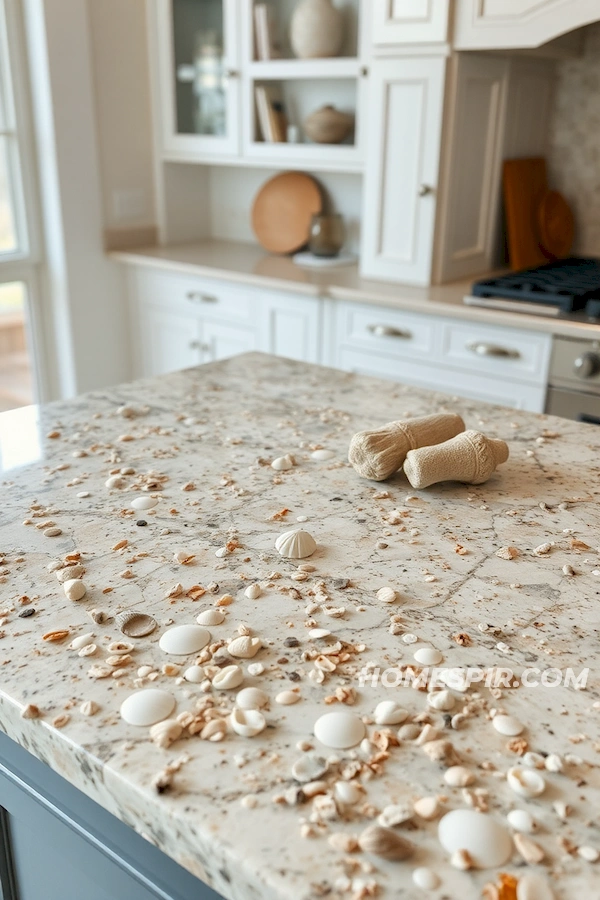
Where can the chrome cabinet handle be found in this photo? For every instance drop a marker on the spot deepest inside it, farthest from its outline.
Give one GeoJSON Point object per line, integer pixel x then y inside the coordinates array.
{"type": "Point", "coordinates": [481, 348]}
{"type": "Point", "coordinates": [199, 297]}
{"type": "Point", "coordinates": [389, 331]}
{"type": "Point", "coordinates": [196, 345]}
{"type": "Point", "coordinates": [425, 189]}
{"type": "Point", "coordinates": [232, 73]}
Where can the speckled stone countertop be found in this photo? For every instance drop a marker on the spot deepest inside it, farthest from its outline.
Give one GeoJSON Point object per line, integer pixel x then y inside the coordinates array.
{"type": "Point", "coordinates": [231, 814]}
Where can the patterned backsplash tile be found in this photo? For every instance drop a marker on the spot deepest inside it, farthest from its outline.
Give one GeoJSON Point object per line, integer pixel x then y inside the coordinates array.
{"type": "Point", "coordinates": [574, 158]}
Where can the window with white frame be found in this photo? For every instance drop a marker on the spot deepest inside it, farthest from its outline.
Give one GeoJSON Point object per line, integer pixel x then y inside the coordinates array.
{"type": "Point", "coordinates": [17, 263]}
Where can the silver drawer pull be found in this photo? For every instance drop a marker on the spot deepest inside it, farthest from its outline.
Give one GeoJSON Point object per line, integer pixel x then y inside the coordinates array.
{"type": "Point", "coordinates": [196, 345]}
{"type": "Point", "coordinates": [481, 348]}
{"type": "Point", "coordinates": [199, 297]}
{"type": "Point", "coordinates": [389, 331]}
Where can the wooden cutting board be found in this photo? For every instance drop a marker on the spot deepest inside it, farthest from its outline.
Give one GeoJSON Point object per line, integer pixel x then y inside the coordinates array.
{"type": "Point", "coordinates": [525, 184]}
{"type": "Point", "coordinates": [556, 225]}
{"type": "Point", "coordinates": [283, 209]}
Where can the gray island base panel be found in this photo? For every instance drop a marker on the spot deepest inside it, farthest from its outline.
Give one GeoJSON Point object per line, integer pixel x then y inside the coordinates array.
{"type": "Point", "coordinates": [201, 442]}
{"type": "Point", "coordinates": [57, 844]}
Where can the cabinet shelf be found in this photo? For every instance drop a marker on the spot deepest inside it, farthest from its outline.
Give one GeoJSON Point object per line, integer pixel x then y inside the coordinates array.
{"type": "Point", "coordinates": [289, 69]}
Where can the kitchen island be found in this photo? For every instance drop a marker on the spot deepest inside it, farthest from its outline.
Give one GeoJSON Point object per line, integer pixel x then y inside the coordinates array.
{"type": "Point", "coordinates": [505, 575]}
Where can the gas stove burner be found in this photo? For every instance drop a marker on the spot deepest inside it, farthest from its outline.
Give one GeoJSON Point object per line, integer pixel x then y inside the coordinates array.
{"type": "Point", "coordinates": [570, 285]}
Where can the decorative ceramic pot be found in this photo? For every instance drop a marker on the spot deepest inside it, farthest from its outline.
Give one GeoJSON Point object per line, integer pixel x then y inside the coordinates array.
{"type": "Point", "coordinates": [328, 125]}
{"type": "Point", "coordinates": [317, 29]}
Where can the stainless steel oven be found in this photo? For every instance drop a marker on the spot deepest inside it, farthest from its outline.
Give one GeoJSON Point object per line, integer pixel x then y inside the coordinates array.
{"type": "Point", "coordinates": [574, 380]}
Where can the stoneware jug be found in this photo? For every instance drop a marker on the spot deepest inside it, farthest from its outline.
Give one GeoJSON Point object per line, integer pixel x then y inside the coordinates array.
{"type": "Point", "coordinates": [317, 29]}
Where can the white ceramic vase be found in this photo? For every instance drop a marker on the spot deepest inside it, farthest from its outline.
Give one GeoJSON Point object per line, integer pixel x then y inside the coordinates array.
{"type": "Point", "coordinates": [317, 29]}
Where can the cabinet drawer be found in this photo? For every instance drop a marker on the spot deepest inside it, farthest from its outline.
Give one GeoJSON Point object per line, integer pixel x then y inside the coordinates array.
{"type": "Point", "coordinates": [486, 389]}
{"type": "Point", "coordinates": [388, 331]}
{"type": "Point", "coordinates": [187, 294]}
{"type": "Point", "coordinates": [489, 350]}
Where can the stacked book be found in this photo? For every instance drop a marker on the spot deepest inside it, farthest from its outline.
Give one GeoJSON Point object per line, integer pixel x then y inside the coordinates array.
{"type": "Point", "coordinates": [266, 46]}
{"type": "Point", "coordinates": [271, 117]}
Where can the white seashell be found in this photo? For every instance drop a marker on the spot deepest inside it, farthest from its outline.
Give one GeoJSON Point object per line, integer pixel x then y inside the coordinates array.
{"type": "Point", "coordinates": [144, 670]}
{"type": "Point", "coordinates": [554, 763]}
{"type": "Point", "coordinates": [388, 712]}
{"type": "Point", "coordinates": [195, 675]}
{"type": "Point", "coordinates": [115, 481]}
{"type": "Point", "coordinates": [322, 455]}
{"type": "Point", "coordinates": [81, 641]}
{"type": "Point", "coordinates": [247, 722]}
{"type": "Point", "coordinates": [590, 854]}
{"type": "Point", "coordinates": [508, 725]}
{"type": "Point", "coordinates": [458, 776]}
{"type": "Point", "coordinates": [525, 782]}
{"type": "Point", "coordinates": [142, 503]}
{"type": "Point", "coordinates": [395, 814]}
{"type": "Point", "coordinates": [211, 617]}
{"type": "Point", "coordinates": [228, 678]}
{"type": "Point", "coordinates": [163, 734]}
{"type": "Point", "coordinates": [119, 648]}
{"type": "Point", "coordinates": [309, 767]}
{"type": "Point", "coordinates": [256, 669]}
{"type": "Point", "coordinates": [425, 879]}
{"type": "Point", "coordinates": [521, 820]}
{"type": "Point", "coordinates": [70, 572]}
{"type": "Point", "coordinates": [244, 647]}
{"type": "Point", "coordinates": [287, 698]}
{"type": "Point", "coordinates": [441, 700]}
{"type": "Point", "coordinates": [534, 887]}
{"type": "Point", "coordinates": [136, 624]}
{"type": "Point", "coordinates": [89, 708]}
{"type": "Point", "coordinates": [282, 463]}
{"type": "Point", "coordinates": [147, 707]}
{"type": "Point", "coordinates": [534, 760]}
{"type": "Point", "coordinates": [296, 544]}
{"type": "Point", "coordinates": [316, 634]}
{"type": "Point", "coordinates": [427, 808]}
{"type": "Point", "coordinates": [386, 595]}
{"type": "Point", "coordinates": [74, 589]}
{"type": "Point", "coordinates": [184, 640]}
{"type": "Point", "coordinates": [88, 650]}
{"type": "Point", "coordinates": [531, 852]}
{"type": "Point", "coordinates": [347, 793]}
{"type": "Point", "coordinates": [339, 730]}
{"type": "Point", "coordinates": [487, 843]}
{"type": "Point", "coordinates": [428, 656]}
{"type": "Point", "coordinates": [251, 698]}
{"type": "Point", "coordinates": [253, 591]}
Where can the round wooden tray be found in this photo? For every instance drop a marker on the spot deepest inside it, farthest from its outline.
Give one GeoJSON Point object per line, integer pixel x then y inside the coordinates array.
{"type": "Point", "coordinates": [283, 209]}
{"type": "Point", "coordinates": [556, 225]}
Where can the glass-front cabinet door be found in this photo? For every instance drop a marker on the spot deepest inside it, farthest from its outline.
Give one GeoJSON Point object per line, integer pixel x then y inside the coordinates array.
{"type": "Point", "coordinates": [197, 48]}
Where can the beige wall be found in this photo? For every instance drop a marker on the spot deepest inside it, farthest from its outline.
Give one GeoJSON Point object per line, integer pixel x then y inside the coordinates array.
{"type": "Point", "coordinates": [575, 141]}
{"type": "Point", "coordinates": [123, 111]}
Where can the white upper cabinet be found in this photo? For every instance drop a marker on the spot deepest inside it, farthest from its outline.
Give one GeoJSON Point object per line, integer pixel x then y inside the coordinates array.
{"type": "Point", "coordinates": [496, 24]}
{"type": "Point", "coordinates": [403, 155]}
{"type": "Point", "coordinates": [409, 21]}
{"type": "Point", "coordinates": [196, 57]}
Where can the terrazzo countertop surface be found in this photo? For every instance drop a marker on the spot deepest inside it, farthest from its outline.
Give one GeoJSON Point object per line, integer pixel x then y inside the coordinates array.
{"type": "Point", "coordinates": [252, 266]}
{"type": "Point", "coordinates": [201, 441]}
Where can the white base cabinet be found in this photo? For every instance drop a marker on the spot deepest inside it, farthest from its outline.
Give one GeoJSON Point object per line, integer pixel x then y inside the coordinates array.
{"type": "Point", "coordinates": [291, 326]}
{"type": "Point", "coordinates": [181, 320]}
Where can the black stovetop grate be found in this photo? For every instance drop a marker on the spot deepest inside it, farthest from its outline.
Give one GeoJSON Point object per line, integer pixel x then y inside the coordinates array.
{"type": "Point", "coordinates": [567, 283]}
